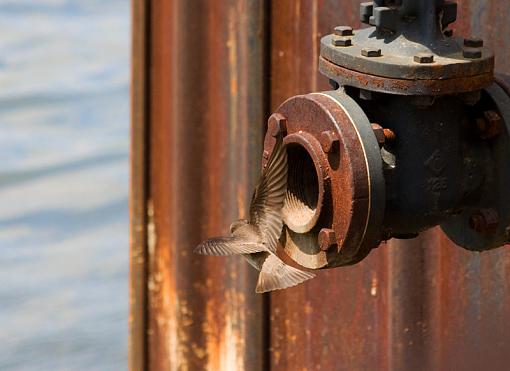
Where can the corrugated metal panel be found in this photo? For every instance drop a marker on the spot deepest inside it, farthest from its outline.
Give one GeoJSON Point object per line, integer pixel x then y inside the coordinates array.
{"type": "Point", "coordinates": [420, 304]}
{"type": "Point", "coordinates": [207, 116]}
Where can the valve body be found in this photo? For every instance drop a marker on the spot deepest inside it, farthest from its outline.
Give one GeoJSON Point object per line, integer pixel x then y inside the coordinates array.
{"type": "Point", "coordinates": [415, 134]}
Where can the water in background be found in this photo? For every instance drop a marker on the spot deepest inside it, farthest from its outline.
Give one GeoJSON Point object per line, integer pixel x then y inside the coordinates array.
{"type": "Point", "coordinates": [64, 121]}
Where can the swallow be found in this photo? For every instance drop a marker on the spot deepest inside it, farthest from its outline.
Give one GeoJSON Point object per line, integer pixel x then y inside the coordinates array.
{"type": "Point", "coordinates": [256, 238]}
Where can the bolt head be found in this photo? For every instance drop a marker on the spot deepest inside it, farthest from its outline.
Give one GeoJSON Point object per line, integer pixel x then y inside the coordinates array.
{"type": "Point", "coordinates": [326, 239]}
{"type": "Point", "coordinates": [473, 42]}
{"type": "Point", "coordinates": [366, 94]}
{"type": "Point", "coordinates": [343, 31]}
{"type": "Point", "coordinates": [329, 141]}
{"type": "Point", "coordinates": [472, 53]}
{"type": "Point", "coordinates": [366, 10]}
{"type": "Point", "coordinates": [389, 135]}
{"type": "Point", "coordinates": [484, 221]}
{"type": "Point", "coordinates": [424, 58]}
{"type": "Point", "coordinates": [370, 52]}
{"type": "Point", "coordinates": [276, 125]}
{"type": "Point", "coordinates": [491, 124]}
{"type": "Point", "coordinates": [341, 41]}
{"type": "Point", "coordinates": [379, 134]}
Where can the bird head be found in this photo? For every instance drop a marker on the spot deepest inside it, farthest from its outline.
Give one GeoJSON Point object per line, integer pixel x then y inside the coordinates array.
{"type": "Point", "coordinates": [235, 225]}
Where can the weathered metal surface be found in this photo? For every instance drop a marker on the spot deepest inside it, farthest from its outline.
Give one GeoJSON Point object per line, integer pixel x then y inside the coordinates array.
{"type": "Point", "coordinates": [486, 227]}
{"type": "Point", "coordinates": [404, 86]}
{"type": "Point", "coordinates": [207, 86]}
{"type": "Point", "coordinates": [335, 180]}
{"type": "Point", "coordinates": [138, 188]}
{"type": "Point", "coordinates": [446, 58]}
{"type": "Point", "coordinates": [408, 41]}
{"type": "Point", "coordinates": [420, 304]}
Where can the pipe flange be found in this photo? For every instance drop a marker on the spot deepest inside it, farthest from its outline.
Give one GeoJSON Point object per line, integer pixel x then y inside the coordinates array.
{"type": "Point", "coordinates": [335, 180]}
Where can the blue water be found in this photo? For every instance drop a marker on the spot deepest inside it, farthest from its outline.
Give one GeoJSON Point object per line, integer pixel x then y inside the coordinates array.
{"type": "Point", "coordinates": [64, 126]}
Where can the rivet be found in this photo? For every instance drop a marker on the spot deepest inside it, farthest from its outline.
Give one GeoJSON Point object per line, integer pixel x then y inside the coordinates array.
{"type": "Point", "coordinates": [370, 52]}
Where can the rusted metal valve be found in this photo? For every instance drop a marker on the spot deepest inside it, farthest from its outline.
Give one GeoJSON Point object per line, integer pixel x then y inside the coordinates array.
{"type": "Point", "coordinates": [415, 134]}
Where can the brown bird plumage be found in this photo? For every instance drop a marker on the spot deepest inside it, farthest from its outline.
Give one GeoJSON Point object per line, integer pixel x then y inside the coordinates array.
{"type": "Point", "coordinates": [257, 237]}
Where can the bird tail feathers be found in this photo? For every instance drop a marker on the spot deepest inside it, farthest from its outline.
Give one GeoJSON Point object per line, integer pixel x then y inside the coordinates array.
{"type": "Point", "coordinates": [276, 275]}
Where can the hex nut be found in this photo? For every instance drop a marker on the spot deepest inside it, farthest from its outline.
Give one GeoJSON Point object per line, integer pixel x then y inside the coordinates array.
{"type": "Point", "coordinates": [490, 125]}
{"type": "Point", "coordinates": [389, 135]}
{"type": "Point", "coordinates": [471, 53]}
{"type": "Point", "coordinates": [424, 58]}
{"type": "Point", "coordinates": [343, 31]}
{"type": "Point", "coordinates": [484, 221]}
{"type": "Point", "coordinates": [326, 239]}
{"type": "Point", "coordinates": [276, 125]}
{"type": "Point", "coordinates": [366, 10]}
{"type": "Point", "coordinates": [385, 18]}
{"type": "Point", "coordinates": [379, 134]}
{"type": "Point", "coordinates": [471, 98]}
{"type": "Point", "coordinates": [366, 94]}
{"type": "Point", "coordinates": [369, 52]}
{"type": "Point", "coordinates": [329, 141]}
{"type": "Point", "coordinates": [473, 42]}
{"type": "Point", "coordinates": [341, 41]}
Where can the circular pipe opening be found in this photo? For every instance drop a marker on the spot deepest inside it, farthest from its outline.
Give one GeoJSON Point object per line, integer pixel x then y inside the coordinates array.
{"type": "Point", "coordinates": [303, 200]}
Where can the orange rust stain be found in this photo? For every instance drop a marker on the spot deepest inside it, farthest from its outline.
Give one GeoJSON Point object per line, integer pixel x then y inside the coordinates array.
{"type": "Point", "coordinates": [225, 344]}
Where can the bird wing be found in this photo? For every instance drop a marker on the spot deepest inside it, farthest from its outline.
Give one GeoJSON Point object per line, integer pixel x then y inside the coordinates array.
{"type": "Point", "coordinates": [268, 197]}
{"type": "Point", "coordinates": [276, 275]}
{"type": "Point", "coordinates": [221, 246]}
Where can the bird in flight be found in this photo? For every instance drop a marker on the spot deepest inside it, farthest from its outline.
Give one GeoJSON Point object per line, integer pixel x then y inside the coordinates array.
{"type": "Point", "coordinates": [256, 239]}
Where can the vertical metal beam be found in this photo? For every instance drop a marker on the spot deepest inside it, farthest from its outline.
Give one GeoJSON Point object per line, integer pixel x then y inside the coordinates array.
{"type": "Point", "coordinates": [139, 187]}
{"type": "Point", "coordinates": [207, 110]}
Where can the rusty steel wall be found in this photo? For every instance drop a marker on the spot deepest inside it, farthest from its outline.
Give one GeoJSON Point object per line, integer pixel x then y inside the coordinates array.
{"type": "Point", "coordinates": [422, 304]}
{"type": "Point", "coordinates": [201, 94]}
{"type": "Point", "coordinates": [205, 120]}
